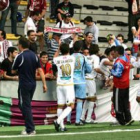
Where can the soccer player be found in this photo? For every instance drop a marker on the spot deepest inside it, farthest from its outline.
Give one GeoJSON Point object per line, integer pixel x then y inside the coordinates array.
{"type": "Point", "coordinates": [88, 106]}
{"type": "Point", "coordinates": [81, 65]}
{"type": "Point", "coordinates": [65, 85]}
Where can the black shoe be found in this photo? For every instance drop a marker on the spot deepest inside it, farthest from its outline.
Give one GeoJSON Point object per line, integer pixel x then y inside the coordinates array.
{"type": "Point", "coordinates": [79, 124]}
{"type": "Point", "coordinates": [68, 123]}
{"type": "Point", "coordinates": [130, 122]}
{"type": "Point", "coordinates": [18, 35]}
{"type": "Point", "coordinates": [63, 129]}
{"type": "Point", "coordinates": [56, 125]}
{"type": "Point", "coordinates": [83, 121]}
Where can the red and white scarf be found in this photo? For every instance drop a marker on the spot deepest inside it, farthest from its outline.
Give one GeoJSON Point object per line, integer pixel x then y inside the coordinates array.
{"type": "Point", "coordinates": [3, 49]}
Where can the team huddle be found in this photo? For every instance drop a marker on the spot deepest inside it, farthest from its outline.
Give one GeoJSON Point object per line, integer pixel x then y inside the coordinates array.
{"type": "Point", "coordinates": [76, 82]}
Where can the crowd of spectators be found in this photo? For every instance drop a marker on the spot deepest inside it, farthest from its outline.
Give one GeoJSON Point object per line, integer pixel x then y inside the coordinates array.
{"type": "Point", "coordinates": [63, 12]}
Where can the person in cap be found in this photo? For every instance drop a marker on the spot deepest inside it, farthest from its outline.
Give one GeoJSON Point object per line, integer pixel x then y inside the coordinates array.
{"type": "Point", "coordinates": [66, 23]}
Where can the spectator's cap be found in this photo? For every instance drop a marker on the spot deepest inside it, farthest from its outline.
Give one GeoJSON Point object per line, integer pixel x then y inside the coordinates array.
{"type": "Point", "coordinates": [67, 15]}
{"type": "Point", "coordinates": [109, 37]}
{"type": "Point", "coordinates": [89, 33]}
{"type": "Point", "coordinates": [57, 34]}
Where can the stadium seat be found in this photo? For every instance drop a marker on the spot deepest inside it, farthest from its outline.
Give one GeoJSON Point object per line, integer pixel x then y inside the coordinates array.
{"type": "Point", "coordinates": [103, 22]}
{"type": "Point", "coordinates": [106, 8]}
{"type": "Point", "coordinates": [119, 23]}
{"type": "Point", "coordinates": [102, 39]}
{"type": "Point", "coordinates": [23, 2]}
{"type": "Point", "coordinates": [91, 7]}
{"type": "Point", "coordinates": [11, 37]}
{"type": "Point", "coordinates": [121, 8]}
{"type": "Point", "coordinates": [76, 6]}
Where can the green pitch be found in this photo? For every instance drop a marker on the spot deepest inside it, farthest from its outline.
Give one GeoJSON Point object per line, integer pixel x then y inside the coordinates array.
{"type": "Point", "coordinates": [102, 131]}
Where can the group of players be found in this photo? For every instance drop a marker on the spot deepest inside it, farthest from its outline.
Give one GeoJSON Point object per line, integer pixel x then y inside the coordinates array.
{"type": "Point", "coordinates": [76, 82]}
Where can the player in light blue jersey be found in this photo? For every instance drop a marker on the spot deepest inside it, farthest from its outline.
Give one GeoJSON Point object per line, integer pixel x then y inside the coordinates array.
{"type": "Point", "coordinates": [81, 66]}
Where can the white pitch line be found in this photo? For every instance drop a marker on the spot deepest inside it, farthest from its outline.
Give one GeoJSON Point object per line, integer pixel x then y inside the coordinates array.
{"type": "Point", "coordinates": [76, 133]}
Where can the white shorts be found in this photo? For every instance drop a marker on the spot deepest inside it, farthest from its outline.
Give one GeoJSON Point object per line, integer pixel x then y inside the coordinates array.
{"type": "Point", "coordinates": [65, 95]}
{"type": "Point", "coordinates": [90, 88]}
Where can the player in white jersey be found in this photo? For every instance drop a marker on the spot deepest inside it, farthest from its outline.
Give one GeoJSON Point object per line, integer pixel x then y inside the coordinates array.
{"type": "Point", "coordinates": [105, 67]}
{"type": "Point", "coordinates": [65, 85]}
{"type": "Point", "coordinates": [90, 84]}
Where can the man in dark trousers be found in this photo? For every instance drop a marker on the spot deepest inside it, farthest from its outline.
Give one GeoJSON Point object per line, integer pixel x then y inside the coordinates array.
{"type": "Point", "coordinates": [26, 64]}
{"type": "Point", "coordinates": [13, 6]}
{"type": "Point", "coordinates": [120, 72]}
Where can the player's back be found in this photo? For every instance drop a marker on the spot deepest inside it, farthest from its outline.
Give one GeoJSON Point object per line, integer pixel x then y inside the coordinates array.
{"type": "Point", "coordinates": [65, 66]}
{"type": "Point", "coordinates": [94, 63]}
{"type": "Point", "coordinates": [81, 65]}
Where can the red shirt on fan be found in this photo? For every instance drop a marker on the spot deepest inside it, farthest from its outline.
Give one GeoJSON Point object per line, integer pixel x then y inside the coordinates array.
{"type": "Point", "coordinates": [36, 5]}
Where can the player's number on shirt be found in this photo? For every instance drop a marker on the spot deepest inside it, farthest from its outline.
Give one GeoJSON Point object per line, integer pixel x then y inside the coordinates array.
{"type": "Point", "coordinates": [78, 64]}
{"type": "Point", "coordinates": [66, 70]}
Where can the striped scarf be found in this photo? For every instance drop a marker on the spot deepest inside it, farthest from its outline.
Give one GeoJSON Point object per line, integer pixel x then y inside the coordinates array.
{"type": "Point", "coordinates": [135, 6]}
{"type": "Point", "coordinates": [3, 49]}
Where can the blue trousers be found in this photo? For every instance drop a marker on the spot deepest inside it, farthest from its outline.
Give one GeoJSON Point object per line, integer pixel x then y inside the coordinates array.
{"type": "Point", "coordinates": [25, 95]}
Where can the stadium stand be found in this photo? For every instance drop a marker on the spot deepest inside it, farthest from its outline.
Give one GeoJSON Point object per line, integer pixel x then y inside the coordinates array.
{"type": "Point", "coordinates": [111, 16]}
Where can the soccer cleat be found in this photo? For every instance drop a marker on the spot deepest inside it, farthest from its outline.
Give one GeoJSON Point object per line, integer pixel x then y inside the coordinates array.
{"type": "Point", "coordinates": [130, 122]}
{"type": "Point", "coordinates": [63, 129]}
{"type": "Point", "coordinates": [83, 121]}
{"type": "Point", "coordinates": [91, 122]}
{"type": "Point", "coordinates": [56, 125]}
{"type": "Point", "coordinates": [79, 124]}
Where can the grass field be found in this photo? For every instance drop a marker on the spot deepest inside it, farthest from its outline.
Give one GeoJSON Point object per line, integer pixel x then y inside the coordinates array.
{"type": "Point", "coordinates": [102, 131]}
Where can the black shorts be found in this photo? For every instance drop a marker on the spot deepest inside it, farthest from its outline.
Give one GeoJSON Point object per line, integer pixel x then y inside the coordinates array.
{"type": "Point", "coordinates": [41, 24]}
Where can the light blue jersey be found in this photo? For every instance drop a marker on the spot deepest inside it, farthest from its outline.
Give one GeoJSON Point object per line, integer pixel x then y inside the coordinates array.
{"type": "Point", "coordinates": [81, 66]}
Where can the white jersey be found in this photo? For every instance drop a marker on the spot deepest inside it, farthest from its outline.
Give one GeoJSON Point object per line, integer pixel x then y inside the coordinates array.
{"type": "Point", "coordinates": [64, 25]}
{"type": "Point", "coordinates": [29, 25]}
{"type": "Point", "coordinates": [104, 68]}
{"type": "Point", "coordinates": [65, 66]}
{"type": "Point", "coordinates": [4, 45]}
{"type": "Point", "coordinates": [94, 61]}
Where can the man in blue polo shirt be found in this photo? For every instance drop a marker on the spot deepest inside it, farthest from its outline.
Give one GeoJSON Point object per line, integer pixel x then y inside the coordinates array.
{"type": "Point", "coordinates": [26, 64]}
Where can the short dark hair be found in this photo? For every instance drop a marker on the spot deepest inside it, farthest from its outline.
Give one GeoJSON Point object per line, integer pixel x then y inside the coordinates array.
{"type": "Point", "coordinates": [11, 50]}
{"type": "Point", "coordinates": [67, 15]}
{"type": "Point", "coordinates": [107, 51]}
{"type": "Point", "coordinates": [120, 50]}
{"type": "Point", "coordinates": [77, 46]}
{"type": "Point", "coordinates": [94, 49]}
{"type": "Point", "coordinates": [23, 42]}
{"type": "Point", "coordinates": [113, 48]}
{"type": "Point", "coordinates": [30, 31]}
{"type": "Point", "coordinates": [64, 48]}
{"type": "Point", "coordinates": [120, 35]}
{"type": "Point", "coordinates": [36, 13]}
{"type": "Point", "coordinates": [88, 19]}
{"type": "Point", "coordinates": [43, 53]}
{"type": "Point", "coordinates": [128, 49]}
{"type": "Point", "coordinates": [3, 33]}
{"type": "Point", "coordinates": [88, 33]}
